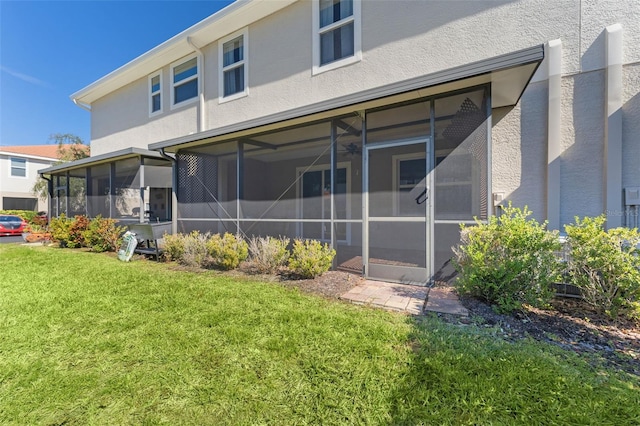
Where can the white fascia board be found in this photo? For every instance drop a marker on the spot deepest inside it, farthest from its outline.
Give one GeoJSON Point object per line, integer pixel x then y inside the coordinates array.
{"type": "Point", "coordinates": [232, 18]}
{"type": "Point", "coordinates": [28, 156]}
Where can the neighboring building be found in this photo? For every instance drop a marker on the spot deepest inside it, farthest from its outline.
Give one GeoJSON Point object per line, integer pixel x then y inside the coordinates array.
{"type": "Point", "coordinates": [377, 126]}
{"type": "Point", "coordinates": [19, 167]}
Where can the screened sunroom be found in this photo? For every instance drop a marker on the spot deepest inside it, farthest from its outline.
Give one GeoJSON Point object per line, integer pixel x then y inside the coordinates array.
{"type": "Point", "coordinates": [132, 185]}
{"type": "Point", "coordinates": [387, 187]}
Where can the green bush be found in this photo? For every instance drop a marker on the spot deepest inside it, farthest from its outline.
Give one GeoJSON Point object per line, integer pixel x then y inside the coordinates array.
{"type": "Point", "coordinates": [61, 229]}
{"type": "Point", "coordinates": [268, 254]}
{"type": "Point", "coordinates": [102, 234]}
{"type": "Point", "coordinates": [173, 246]}
{"type": "Point", "coordinates": [310, 258]}
{"type": "Point", "coordinates": [605, 265]}
{"type": "Point", "coordinates": [508, 261]}
{"type": "Point", "coordinates": [226, 251]}
{"type": "Point", "coordinates": [195, 249]}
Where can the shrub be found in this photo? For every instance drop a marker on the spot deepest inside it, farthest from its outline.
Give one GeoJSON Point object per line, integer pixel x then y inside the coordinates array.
{"type": "Point", "coordinates": [508, 261]}
{"type": "Point", "coordinates": [60, 229]}
{"type": "Point", "coordinates": [173, 247]}
{"type": "Point", "coordinates": [226, 251]}
{"type": "Point", "coordinates": [310, 258]}
{"type": "Point", "coordinates": [102, 234]}
{"type": "Point", "coordinates": [195, 249]}
{"type": "Point", "coordinates": [605, 265]}
{"type": "Point", "coordinates": [79, 225]}
{"type": "Point", "coordinates": [268, 254]}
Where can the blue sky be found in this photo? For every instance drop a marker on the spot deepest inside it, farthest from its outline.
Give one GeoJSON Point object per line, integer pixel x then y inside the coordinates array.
{"type": "Point", "coordinates": [51, 49]}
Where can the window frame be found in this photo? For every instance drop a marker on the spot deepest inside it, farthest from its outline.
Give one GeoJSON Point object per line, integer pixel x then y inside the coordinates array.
{"type": "Point", "coordinates": [397, 161]}
{"type": "Point", "coordinates": [25, 168]}
{"type": "Point", "coordinates": [196, 77]}
{"type": "Point", "coordinates": [356, 18]}
{"type": "Point", "coordinates": [152, 93]}
{"type": "Point", "coordinates": [244, 62]}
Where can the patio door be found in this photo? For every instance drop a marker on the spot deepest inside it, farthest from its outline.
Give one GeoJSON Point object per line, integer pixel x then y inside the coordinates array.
{"type": "Point", "coordinates": [397, 209]}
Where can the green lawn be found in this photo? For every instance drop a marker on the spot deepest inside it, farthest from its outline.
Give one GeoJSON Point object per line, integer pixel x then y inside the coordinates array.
{"type": "Point", "coordinates": [86, 339]}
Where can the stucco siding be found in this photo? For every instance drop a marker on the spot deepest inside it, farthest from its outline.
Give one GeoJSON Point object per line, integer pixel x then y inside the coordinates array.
{"type": "Point", "coordinates": [519, 151]}
{"type": "Point", "coordinates": [400, 40]}
{"type": "Point", "coordinates": [121, 119]}
{"type": "Point", "coordinates": [581, 185]}
{"type": "Point", "coordinates": [631, 126]}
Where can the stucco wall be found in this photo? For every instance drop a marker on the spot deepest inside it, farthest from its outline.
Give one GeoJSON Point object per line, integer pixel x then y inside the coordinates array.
{"type": "Point", "coordinates": [404, 39]}
{"type": "Point", "coordinates": [400, 40]}
{"type": "Point", "coordinates": [519, 151]}
{"type": "Point", "coordinates": [631, 126]}
{"type": "Point", "coordinates": [20, 187]}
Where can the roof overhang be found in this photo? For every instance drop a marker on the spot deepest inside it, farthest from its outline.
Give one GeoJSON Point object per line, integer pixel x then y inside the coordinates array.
{"type": "Point", "coordinates": [233, 17]}
{"type": "Point", "coordinates": [508, 74]}
{"type": "Point", "coordinates": [29, 156]}
{"type": "Point", "coordinates": [101, 159]}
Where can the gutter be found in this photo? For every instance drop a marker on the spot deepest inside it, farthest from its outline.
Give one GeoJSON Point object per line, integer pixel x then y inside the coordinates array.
{"type": "Point", "coordinates": [82, 105]}
{"type": "Point", "coordinates": [201, 110]}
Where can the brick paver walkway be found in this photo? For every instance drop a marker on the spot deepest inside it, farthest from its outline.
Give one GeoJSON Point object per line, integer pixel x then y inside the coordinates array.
{"type": "Point", "coordinates": [406, 298]}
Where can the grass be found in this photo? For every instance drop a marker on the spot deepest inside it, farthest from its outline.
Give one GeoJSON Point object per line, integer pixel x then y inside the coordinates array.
{"type": "Point", "coordinates": [85, 339]}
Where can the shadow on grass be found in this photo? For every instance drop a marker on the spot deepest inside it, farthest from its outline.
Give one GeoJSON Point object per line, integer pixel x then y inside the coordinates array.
{"type": "Point", "coordinates": [469, 375]}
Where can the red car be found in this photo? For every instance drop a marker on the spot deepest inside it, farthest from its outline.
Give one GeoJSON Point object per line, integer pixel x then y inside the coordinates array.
{"type": "Point", "coordinates": [12, 225]}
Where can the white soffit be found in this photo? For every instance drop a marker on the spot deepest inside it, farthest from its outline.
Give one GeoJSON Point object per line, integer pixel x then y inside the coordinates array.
{"type": "Point", "coordinates": [507, 85]}
{"type": "Point", "coordinates": [233, 17]}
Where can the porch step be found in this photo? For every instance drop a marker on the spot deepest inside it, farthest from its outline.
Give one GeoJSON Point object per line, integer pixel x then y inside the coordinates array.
{"type": "Point", "coordinates": [444, 300]}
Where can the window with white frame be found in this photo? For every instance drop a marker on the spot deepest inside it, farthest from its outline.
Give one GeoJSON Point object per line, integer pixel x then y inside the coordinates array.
{"type": "Point", "coordinates": [233, 65]}
{"type": "Point", "coordinates": [184, 81]}
{"type": "Point", "coordinates": [155, 94]}
{"type": "Point", "coordinates": [18, 167]}
{"type": "Point", "coordinates": [337, 33]}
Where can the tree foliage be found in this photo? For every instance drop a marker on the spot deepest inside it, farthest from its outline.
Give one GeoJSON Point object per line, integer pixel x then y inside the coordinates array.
{"type": "Point", "coordinates": [70, 148]}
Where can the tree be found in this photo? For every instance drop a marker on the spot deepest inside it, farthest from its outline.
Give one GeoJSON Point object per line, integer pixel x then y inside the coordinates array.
{"type": "Point", "coordinates": [70, 148]}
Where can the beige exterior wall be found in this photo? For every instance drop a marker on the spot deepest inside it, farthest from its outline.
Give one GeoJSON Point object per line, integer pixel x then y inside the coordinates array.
{"type": "Point", "coordinates": [20, 187]}
{"type": "Point", "coordinates": [404, 39]}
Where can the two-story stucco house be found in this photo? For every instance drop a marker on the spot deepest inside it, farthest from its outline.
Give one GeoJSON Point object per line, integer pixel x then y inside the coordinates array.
{"type": "Point", "coordinates": [19, 167]}
{"type": "Point", "coordinates": [377, 126]}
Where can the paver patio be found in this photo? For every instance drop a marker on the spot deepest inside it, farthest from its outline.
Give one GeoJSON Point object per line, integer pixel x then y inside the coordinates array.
{"type": "Point", "coordinates": [413, 300]}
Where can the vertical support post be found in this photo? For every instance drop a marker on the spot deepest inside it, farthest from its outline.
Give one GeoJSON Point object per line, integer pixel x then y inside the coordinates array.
{"type": "Point", "coordinates": [333, 172]}
{"type": "Point", "coordinates": [613, 128]}
{"type": "Point", "coordinates": [50, 190]}
{"type": "Point", "coordinates": [365, 198]}
{"type": "Point", "coordinates": [554, 135]}
{"type": "Point", "coordinates": [489, 124]}
{"type": "Point", "coordinates": [431, 185]}
{"type": "Point", "coordinates": [239, 183]}
{"type": "Point", "coordinates": [112, 189]}
{"type": "Point", "coordinates": [174, 194]}
{"type": "Point", "coordinates": [66, 191]}
{"type": "Point", "coordinates": [142, 189]}
{"type": "Point", "coordinates": [88, 191]}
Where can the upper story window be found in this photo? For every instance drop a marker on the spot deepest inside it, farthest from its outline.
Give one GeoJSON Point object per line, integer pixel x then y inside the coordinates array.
{"type": "Point", "coordinates": [233, 66]}
{"type": "Point", "coordinates": [18, 167]}
{"type": "Point", "coordinates": [155, 94]}
{"type": "Point", "coordinates": [337, 32]}
{"type": "Point", "coordinates": [184, 81]}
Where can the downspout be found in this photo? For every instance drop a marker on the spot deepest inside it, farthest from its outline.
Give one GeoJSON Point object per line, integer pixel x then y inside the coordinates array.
{"type": "Point", "coordinates": [82, 105]}
{"type": "Point", "coordinates": [50, 192]}
{"type": "Point", "coordinates": [201, 110]}
{"type": "Point", "coordinates": [174, 189]}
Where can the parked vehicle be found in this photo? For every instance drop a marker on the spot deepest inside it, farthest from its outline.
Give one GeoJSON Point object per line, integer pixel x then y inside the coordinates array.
{"type": "Point", "coordinates": [12, 225]}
